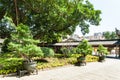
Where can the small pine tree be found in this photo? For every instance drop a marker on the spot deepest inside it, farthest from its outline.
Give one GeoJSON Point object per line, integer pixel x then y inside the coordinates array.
{"type": "Point", "coordinates": [102, 50]}
{"type": "Point", "coordinates": [22, 42]}
{"type": "Point", "coordinates": [84, 48]}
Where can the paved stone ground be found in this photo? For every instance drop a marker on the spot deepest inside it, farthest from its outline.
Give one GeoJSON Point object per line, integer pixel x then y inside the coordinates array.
{"type": "Point", "coordinates": [108, 70]}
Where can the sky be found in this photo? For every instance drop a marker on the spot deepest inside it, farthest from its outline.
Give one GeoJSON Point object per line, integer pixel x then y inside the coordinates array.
{"type": "Point", "coordinates": [110, 16]}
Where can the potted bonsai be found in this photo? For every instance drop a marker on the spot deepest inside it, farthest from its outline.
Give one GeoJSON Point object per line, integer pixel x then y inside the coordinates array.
{"type": "Point", "coordinates": [84, 48]}
{"type": "Point", "coordinates": [25, 46]}
{"type": "Point", "coordinates": [102, 51]}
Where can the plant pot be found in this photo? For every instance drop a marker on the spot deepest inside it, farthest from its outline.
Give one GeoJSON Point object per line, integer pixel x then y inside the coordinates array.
{"type": "Point", "coordinates": [81, 60]}
{"type": "Point", "coordinates": [30, 66]}
{"type": "Point", "coordinates": [101, 58]}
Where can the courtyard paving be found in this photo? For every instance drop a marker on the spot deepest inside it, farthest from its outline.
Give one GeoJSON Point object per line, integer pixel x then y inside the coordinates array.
{"type": "Point", "coordinates": [108, 70]}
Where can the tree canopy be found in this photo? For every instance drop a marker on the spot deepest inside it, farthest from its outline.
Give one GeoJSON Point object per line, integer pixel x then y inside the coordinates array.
{"type": "Point", "coordinates": [49, 20]}
{"type": "Point", "coordinates": [6, 27]}
{"type": "Point", "coordinates": [110, 35]}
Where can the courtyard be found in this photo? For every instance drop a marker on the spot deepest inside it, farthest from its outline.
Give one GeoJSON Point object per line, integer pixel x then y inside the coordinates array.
{"type": "Point", "coordinates": [108, 70]}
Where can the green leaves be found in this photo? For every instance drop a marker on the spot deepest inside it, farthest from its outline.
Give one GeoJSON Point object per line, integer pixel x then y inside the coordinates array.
{"type": "Point", "coordinates": [10, 65]}
{"type": "Point", "coordinates": [48, 17]}
{"type": "Point", "coordinates": [102, 50]}
{"type": "Point", "coordinates": [6, 27]}
{"type": "Point", "coordinates": [84, 48]}
{"type": "Point", "coordinates": [110, 35]}
{"type": "Point", "coordinates": [23, 43]}
{"type": "Point", "coordinates": [48, 52]}
{"type": "Point", "coordinates": [32, 50]}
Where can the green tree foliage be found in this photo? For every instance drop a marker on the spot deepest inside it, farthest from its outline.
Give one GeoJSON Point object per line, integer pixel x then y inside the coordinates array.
{"type": "Point", "coordinates": [66, 51]}
{"type": "Point", "coordinates": [6, 27]}
{"type": "Point", "coordinates": [110, 35]}
{"type": "Point", "coordinates": [5, 45]}
{"type": "Point", "coordinates": [102, 50]}
{"type": "Point", "coordinates": [22, 42]}
{"type": "Point", "coordinates": [48, 52]}
{"type": "Point", "coordinates": [50, 20]}
{"type": "Point", "coordinates": [84, 48]}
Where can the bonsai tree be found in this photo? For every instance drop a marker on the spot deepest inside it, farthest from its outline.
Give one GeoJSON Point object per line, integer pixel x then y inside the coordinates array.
{"type": "Point", "coordinates": [84, 48]}
{"type": "Point", "coordinates": [102, 51]}
{"type": "Point", "coordinates": [22, 43]}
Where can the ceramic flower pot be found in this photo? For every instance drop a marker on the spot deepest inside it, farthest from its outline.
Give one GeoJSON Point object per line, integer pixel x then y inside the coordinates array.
{"type": "Point", "coordinates": [81, 60]}
{"type": "Point", "coordinates": [30, 66]}
{"type": "Point", "coordinates": [101, 58]}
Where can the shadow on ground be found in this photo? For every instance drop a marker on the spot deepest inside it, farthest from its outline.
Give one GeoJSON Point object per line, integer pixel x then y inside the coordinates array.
{"type": "Point", "coordinates": [112, 57]}
{"type": "Point", "coordinates": [80, 64]}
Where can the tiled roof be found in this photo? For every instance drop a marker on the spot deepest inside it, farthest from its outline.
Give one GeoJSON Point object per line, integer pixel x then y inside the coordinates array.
{"type": "Point", "coordinates": [104, 42]}
{"type": "Point", "coordinates": [95, 42]}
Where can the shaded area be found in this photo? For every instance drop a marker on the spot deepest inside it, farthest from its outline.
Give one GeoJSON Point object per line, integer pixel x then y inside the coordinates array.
{"type": "Point", "coordinates": [112, 57]}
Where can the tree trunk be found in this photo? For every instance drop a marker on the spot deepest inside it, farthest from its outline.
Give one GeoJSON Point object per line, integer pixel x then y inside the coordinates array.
{"type": "Point", "coordinates": [16, 12]}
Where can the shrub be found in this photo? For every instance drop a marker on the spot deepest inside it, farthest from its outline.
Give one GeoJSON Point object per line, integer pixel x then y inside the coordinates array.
{"type": "Point", "coordinates": [90, 58]}
{"type": "Point", "coordinates": [9, 55]}
{"type": "Point", "coordinates": [48, 52]}
{"type": "Point", "coordinates": [55, 62]}
{"type": "Point", "coordinates": [73, 50]}
{"type": "Point", "coordinates": [66, 51]}
{"type": "Point", "coordinates": [5, 46]}
{"type": "Point", "coordinates": [58, 55]}
{"type": "Point", "coordinates": [75, 55]}
{"type": "Point", "coordinates": [10, 65]}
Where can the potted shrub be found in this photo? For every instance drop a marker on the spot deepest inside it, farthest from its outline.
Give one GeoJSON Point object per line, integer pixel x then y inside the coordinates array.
{"type": "Point", "coordinates": [84, 48]}
{"type": "Point", "coordinates": [102, 51]}
{"type": "Point", "coordinates": [23, 44]}
{"type": "Point", "coordinates": [81, 60]}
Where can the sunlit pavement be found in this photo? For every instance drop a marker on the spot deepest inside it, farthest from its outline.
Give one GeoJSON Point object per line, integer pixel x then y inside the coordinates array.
{"type": "Point", "coordinates": [108, 70]}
